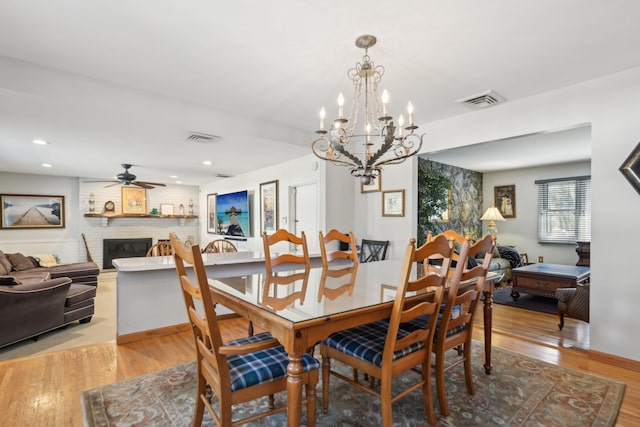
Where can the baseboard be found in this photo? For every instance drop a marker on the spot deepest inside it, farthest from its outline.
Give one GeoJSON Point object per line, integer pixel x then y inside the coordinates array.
{"type": "Point", "coordinates": [610, 359]}
{"type": "Point", "coordinates": [159, 332]}
{"type": "Point", "coordinates": [152, 333]}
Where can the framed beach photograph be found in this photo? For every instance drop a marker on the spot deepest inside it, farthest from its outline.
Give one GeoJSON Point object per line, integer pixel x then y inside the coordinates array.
{"type": "Point", "coordinates": [505, 200]}
{"type": "Point", "coordinates": [134, 201]}
{"type": "Point", "coordinates": [376, 185]}
{"type": "Point", "coordinates": [269, 206]}
{"type": "Point", "coordinates": [212, 222]}
{"type": "Point", "coordinates": [32, 211]}
{"type": "Point", "coordinates": [393, 203]}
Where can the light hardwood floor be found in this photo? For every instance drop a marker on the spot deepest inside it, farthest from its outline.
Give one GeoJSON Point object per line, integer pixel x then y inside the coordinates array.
{"type": "Point", "coordinates": [45, 390]}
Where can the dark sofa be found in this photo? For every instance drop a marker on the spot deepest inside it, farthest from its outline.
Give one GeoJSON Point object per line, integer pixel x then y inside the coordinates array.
{"type": "Point", "coordinates": [35, 299]}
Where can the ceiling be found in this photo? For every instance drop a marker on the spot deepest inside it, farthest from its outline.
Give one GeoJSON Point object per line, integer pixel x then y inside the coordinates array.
{"type": "Point", "coordinates": [126, 81]}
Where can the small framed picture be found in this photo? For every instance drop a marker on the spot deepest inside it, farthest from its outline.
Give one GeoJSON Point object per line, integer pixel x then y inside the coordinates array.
{"type": "Point", "coordinates": [505, 200]}
{"type": "Point", "coordinates": [134, 200]}
{"type": "Point", "coordinates": [374, 186]}
{"type": "Point", "coordinates": [166, 209]}
{"type": "Point", "coordinates": [269, 206]}
{"type": "Point", "coordinates": [393, 203]}
{"type": "Point", "coordinates": [212, 220]}
{"type": "Point", "coordinates": [32, 211]}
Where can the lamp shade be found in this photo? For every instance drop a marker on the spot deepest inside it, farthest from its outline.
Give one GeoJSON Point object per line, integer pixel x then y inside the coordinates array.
{"type": "Point", "coordinates": [492, 214]}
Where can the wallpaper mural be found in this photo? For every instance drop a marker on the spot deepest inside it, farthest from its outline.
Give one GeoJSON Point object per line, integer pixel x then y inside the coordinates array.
{"type": "Point", "coordinates": [465, 205]}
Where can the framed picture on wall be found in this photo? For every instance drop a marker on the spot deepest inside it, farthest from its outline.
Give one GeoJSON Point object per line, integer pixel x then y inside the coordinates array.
{"type": "Point", "coordinates": [269, 206]}
{"type": "Point", "coordinates": [393, 203]}
{"type": "Point", "coordinates": [32, 211]}
{"type": "Point", "coordinates": [134, 200]}
{"type": "Point", "coordinates": [212, 221]}
{"type": "Point", "coordinates": [504, 198]}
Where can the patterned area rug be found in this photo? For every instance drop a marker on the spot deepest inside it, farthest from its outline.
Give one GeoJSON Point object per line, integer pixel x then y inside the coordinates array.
{"type": "Point", "coordinates": [520, 392]}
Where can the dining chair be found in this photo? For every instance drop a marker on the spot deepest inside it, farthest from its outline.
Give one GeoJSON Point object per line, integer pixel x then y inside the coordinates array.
{"type": "Point", "coordinates": [373, 250]}
{"type": "Point", "coordinates": [220, 245]}
{"type": "Point", "coordinates": [236, 371]}
{"type": "Point", "coordinates": [286, 257]}
{"type": "Point", "coordinates": [329, 255]}
{"type": "Point", "coordinates": [455, 329]}
{"type": "Point", "coordinates": [382, 349]}
{"type": "Point", "coordinates": [162, 248]}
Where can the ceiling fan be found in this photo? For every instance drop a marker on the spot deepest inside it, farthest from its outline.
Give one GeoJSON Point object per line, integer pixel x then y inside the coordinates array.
{"type": "Point", "coordinates": [127, 178]}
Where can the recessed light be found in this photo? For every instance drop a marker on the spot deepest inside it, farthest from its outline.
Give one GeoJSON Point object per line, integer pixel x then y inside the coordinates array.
{"type": "Point", "coordinates": [207, 162]}
{"type": "Point", "coordinates": [173, 176]}
{"type": "Point", "coordinates": [40, 142]}
{"type": "Point", "coordinates": [178, 182]}
{"type": "Point", "coordinates": [47, 165]}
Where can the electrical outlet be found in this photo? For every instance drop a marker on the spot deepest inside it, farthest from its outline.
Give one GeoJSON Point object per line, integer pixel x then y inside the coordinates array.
{"type": "Point", "coordinates": [540, 259]}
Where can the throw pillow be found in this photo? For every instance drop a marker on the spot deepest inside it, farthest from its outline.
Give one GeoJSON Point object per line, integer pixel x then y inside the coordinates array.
{"type": "Point", "coordinates": [4, 263]}
{"type": "Point", "coordinates": [9, 280]}
{"type": "Point", "coordinates": [46, 260]}
{"type": "Point", "coordinates": [512, 255]}
{"type": "Point", "coordinates": [21, 262]}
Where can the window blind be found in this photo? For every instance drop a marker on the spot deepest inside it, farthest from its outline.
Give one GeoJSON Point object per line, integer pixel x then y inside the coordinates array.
{"type": "Point", "coordinates": [564, 210]}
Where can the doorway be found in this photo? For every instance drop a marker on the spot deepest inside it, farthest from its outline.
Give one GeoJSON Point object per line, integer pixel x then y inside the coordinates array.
{"type": "Point", "coordinates": [303, 211]}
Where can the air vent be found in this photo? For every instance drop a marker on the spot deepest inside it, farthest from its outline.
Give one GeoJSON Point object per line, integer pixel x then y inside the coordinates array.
{"type": "Point", "coordinates": [203, 138]}
{"type": "Point", "coordinates": [223, 175]}
{"type": "Point", "coordinates": [482, 100]}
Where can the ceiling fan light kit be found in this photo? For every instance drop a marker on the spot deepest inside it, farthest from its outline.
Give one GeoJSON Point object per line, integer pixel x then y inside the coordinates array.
{"type": "Point", "coordinates": [127, 178]}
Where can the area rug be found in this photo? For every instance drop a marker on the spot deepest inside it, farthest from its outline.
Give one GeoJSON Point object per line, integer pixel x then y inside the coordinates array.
{"type": "Point", "coordinates": [521, 391]}
{"type": "Point", "coordinates": [527, 301]}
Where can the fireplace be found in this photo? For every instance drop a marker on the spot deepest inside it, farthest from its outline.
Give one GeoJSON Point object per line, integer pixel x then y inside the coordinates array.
{"type": "Point", "coordinates": [123, 248]}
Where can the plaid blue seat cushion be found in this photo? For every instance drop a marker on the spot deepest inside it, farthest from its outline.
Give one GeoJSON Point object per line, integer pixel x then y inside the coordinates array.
{"type": "Point", "coordinates": [420, 322]}
{"type": "Point", "coordinates": [366, 342]}
{"type": "Point", "coordinates": [262, 366]}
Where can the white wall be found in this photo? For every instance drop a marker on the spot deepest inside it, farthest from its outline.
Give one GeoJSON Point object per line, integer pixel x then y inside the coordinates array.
{"type": "Point", "coordinates": [522, 231]}
{"type": "Point", "coordinates": [60, 241]}
{"type": "Point", "coordinates": [67, 242]}
{"type": "Point", "coordinates": [610, 105]}
{"type": "Point", "coordinates": [306, 170]}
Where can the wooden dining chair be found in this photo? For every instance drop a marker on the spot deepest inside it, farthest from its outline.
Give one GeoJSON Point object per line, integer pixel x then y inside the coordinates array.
{"type": "Point", "coordinates": [382, 349]}
{"type": "Point", "coordinates": [329, 255]}
{"type": "Point", "coordinates": [160, 249]}
{"type": "Point", "coordinates": [456, 323]}
{"type": "Point", "coordinates": [219, 246]}
{"type": "Point", "coordinates": [237, 371]}
{"type": "Point", "coordinates": [280, 237]}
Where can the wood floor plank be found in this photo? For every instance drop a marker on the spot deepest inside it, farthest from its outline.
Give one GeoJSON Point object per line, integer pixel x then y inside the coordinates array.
{"type": "Point", "coordinates": [45, 390]}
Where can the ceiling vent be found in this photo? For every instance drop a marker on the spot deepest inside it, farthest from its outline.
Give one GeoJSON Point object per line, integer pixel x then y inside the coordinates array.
{"type": "Point", "coordinates": [482, 100]}
{"type": "Point", "coordinates": [203, 138]}
{"type": "Point", "coordinates": [223, 175]}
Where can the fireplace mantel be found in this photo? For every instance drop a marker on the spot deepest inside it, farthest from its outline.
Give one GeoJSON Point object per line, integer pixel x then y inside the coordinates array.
{"type": "Point", "coordinates": [106, 217]}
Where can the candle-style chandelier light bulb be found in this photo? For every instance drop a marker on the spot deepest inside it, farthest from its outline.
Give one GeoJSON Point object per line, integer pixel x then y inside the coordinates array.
{"type": "Point", "coordinates": [380, 144]}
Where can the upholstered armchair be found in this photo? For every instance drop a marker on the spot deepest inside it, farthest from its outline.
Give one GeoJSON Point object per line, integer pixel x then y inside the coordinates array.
{"type": "Point", "coordinates": [573, 302]}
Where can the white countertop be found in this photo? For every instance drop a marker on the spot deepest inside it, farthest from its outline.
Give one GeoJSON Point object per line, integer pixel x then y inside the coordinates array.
{"type": "Point", "coordinates": [166, 262]}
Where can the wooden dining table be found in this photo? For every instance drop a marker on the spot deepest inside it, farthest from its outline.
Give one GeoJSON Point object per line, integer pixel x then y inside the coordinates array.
{"type": "Point", "coordinates": [320, 306]}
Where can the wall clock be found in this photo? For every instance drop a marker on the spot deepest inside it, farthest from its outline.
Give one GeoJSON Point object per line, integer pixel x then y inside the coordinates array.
{"type": "Point", "coordinates": [109, 207]}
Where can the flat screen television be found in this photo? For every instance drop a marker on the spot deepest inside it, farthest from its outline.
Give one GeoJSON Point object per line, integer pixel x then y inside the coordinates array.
{"type": "Point", "coordinates": [233, 215]}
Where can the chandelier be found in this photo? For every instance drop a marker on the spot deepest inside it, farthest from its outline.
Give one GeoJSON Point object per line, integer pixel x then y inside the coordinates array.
{"type": "Point", "coordinates": [348, 143]}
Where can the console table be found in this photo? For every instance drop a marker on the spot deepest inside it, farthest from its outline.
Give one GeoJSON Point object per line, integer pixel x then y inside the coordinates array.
{"type": "Point", "coordinates": [543, 279]}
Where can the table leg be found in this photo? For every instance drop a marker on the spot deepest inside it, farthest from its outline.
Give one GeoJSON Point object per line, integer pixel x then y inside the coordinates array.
{"type": "Point", "coordinates": [488, 324]}
{"type": "Point", "coordinates": [294, 390]}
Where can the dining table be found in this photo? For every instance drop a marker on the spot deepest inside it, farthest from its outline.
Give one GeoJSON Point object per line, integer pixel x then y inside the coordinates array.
{"type": "Point", "coordinates": [336, 298]}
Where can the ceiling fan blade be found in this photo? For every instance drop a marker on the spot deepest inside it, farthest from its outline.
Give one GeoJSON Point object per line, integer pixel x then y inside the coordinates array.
{"type": "Point", "coordinates": [156, 184]}
{"type": "Point", "coordinates": [111, 185]}
{"type": "Point", "coordinates": [142, 184]}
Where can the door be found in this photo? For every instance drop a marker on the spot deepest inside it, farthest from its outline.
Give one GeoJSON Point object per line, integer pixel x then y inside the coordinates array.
{"type": "Point", "coordinates": [304, 213]}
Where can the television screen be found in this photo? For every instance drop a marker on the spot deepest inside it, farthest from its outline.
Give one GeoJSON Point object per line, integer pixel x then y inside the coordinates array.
{"type": "Point", "coordinates": [232, 213]}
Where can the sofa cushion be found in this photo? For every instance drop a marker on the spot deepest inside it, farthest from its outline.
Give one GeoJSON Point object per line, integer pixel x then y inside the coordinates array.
{"type": "Point", "coordinates": [46, 260]}
{"type": "Point", "coordinates": [9, 280]}
{"type": "Point", "coordinates": [20, 262]}
{"type": "Point", "coordinates": [76, 269]}
{"type": "Point", "coordinates": [79, 293]}
{"type": "Point", "coordinates": [5, 264]}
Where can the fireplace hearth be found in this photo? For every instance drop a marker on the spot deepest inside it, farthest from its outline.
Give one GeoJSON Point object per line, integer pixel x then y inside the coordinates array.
{"type": "Point", "coordinates": [123, 248]}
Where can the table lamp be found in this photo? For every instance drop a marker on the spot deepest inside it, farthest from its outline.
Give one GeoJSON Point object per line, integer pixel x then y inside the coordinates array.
{"type": "Point", "coordinates": [492, 215]}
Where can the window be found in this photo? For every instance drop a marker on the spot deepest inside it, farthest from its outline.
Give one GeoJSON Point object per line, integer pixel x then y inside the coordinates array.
{"type": "Point", "coordinates": [564, 210]}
